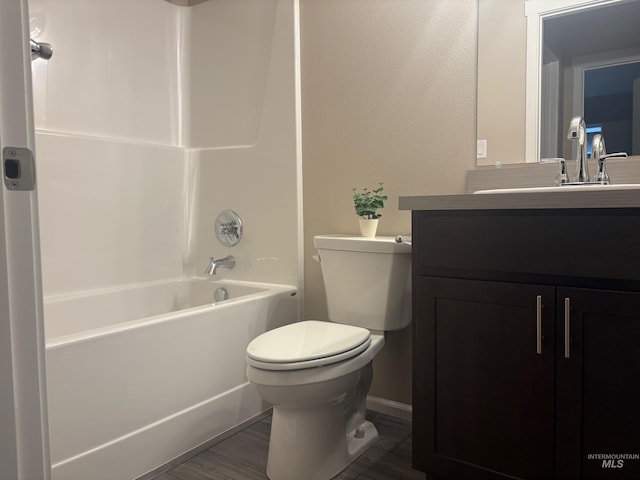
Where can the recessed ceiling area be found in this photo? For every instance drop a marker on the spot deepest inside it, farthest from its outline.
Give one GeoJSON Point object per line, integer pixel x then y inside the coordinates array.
{"type": "Point", "coordinates": [594, 30]}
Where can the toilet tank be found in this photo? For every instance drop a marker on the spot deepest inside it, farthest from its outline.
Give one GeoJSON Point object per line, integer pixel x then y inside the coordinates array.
{"type": "Point", "coordinates": [367, 280]}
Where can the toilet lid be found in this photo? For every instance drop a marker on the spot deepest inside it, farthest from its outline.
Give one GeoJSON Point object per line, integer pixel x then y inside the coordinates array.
{"type": "Point", "coordinates": [310, 342]}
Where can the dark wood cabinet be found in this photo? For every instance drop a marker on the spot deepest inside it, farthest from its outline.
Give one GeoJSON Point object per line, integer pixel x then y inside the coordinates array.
{"type": "Point", "coordinates": [489, 400]}
{"type": "Point", "coordinates": [598, 384]}
{"type": "Point", "coordinates": [524, 368]}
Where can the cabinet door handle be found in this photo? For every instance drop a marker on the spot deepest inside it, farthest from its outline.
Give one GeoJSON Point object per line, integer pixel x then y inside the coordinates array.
{"type": "Point", "coordinates": [539, 324]}
{"type": "Point", "coordinates": [567, 327]}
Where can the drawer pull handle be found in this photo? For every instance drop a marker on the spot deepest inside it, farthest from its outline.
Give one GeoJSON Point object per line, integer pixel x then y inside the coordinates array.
{"type": "Point", "coordinates": [539, 324]}
{"type": "Point", "coordinates": [567, 327]}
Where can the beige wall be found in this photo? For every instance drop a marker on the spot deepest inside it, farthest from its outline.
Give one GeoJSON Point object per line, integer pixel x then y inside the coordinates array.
{"type": "Point", "coordinates": [388, 94]}
{"type": "Point", "coordinates": [502, 42]}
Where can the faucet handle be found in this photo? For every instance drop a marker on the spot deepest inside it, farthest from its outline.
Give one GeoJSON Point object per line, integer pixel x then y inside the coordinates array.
{"type": "Point", "coordinates": [597, 147]}
{"type": "Point", "coordinates": [562, 176]}
{"type": "Point", "coordinates": [602, 176]}
{"type": "Point", "coordinates": [615, 155]}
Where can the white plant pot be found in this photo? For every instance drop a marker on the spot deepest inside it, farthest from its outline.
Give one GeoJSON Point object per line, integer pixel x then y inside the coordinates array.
{"type": "Point", "coordinates": [368, 227]}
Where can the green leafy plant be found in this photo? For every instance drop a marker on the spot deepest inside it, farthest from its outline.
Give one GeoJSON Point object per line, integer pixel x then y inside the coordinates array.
{"type": "Point", "coordinates": [368, 202]}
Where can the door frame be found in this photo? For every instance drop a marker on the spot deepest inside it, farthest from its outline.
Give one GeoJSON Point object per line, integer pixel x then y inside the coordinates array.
{"type": "Point", "coordinates": [24, 436]}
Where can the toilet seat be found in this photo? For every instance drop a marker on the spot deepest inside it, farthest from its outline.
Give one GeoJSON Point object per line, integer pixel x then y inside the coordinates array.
{"type": "Point", "coordinates": [307, 344]}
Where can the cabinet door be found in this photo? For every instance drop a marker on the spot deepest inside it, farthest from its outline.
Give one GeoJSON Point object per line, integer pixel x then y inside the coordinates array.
{"type": "Point", "coordinates": [483, 405]}
{"type": "Point", "coordinates": [598, 385]}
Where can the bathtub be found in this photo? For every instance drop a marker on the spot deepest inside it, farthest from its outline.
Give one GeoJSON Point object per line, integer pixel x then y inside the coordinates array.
{"type": "Point", "coordinates": [137, 376]}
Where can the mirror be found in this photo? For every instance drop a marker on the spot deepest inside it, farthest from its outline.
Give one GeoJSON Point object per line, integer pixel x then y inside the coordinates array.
{"type": "Point", "coordinates": [540, 62]}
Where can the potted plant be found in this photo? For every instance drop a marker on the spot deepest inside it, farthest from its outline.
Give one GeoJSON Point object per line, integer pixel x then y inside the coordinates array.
{"type": "Point", "coordinates": [367, 203]}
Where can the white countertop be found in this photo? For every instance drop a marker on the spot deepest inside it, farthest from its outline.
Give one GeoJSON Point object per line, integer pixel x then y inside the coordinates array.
{"type": "Point", "coordinates": [524, 200]}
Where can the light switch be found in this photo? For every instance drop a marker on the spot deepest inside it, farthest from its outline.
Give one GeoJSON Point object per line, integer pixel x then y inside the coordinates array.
{"type": "Point", "coordinates": [481, 149]}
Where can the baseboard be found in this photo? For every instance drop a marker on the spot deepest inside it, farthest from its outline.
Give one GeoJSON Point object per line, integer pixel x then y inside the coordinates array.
{"type": "Point", "coordinates": [161, 442]}
{"type": "Point", "coordinates": [204, 446]}
{"type": "Point", "coordinates": [390, 407]}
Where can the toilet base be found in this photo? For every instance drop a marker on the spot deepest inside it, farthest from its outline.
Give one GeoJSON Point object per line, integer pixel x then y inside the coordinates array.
{"type": "Point", "coordinates": [313, 445]}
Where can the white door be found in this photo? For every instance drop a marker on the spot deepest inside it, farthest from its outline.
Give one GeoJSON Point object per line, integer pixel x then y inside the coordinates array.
{"type": "Point", "coordinates": [24, 445]}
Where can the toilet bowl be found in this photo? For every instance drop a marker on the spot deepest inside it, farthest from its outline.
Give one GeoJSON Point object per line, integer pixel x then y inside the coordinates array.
{"type": "Point", "coordinates": [317, 374]}
{"type": "Point", "coordinates": [318, 424]}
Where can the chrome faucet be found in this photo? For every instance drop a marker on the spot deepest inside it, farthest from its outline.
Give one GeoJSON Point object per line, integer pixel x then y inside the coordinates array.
{"type": "Point", "coordinates": [578, 131]}
{"type": "Point", "coordinates": [598, 152]}
{"type": "Point", "coordinates": [226, 262]}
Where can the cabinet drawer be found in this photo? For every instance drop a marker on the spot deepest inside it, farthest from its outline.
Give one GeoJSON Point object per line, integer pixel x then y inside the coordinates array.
{"type": "Point", "coordinates": [592, 243]}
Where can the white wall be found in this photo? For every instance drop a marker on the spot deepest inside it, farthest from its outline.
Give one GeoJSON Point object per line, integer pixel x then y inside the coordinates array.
{"type": "Point", "coordinates": [232, 48]}
{"type": "Point", "coordinates": [111, 212]}
{"type": "Point", "coordinates": [247, 131]}
{"type": "Point", "coordinates": [114, 71]}
{"type": "Point", "coordinates": [131, 88]}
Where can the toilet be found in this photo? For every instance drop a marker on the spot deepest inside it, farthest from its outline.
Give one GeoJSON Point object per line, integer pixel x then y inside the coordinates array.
{"type": "Point", "coordinates": [317, 374]}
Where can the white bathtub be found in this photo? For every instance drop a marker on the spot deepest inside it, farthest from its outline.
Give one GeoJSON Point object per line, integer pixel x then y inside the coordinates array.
{"type": "Point", "coordinates": [139, 375]}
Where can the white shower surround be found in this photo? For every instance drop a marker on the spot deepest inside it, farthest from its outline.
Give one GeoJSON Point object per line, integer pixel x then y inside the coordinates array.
{"type": "Point", "coordinates": [151, 118]}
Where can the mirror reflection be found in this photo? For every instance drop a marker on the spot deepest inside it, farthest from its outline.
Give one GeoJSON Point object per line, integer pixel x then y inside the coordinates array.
{"type": "Point", "coordinates": [587, 62]}
{"type": "Point", "coordinates": [591, 67]}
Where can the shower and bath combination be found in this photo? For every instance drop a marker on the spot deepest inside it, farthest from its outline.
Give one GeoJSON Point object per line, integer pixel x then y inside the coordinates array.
{"type": "Point", "coordinates": [40, 50]}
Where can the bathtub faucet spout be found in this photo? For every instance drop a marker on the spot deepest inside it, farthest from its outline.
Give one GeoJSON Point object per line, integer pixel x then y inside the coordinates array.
{"type": "Point", "coordinates": [225, 262]}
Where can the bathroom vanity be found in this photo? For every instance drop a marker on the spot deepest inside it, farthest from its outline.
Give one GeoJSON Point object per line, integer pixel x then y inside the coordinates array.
{"type": "Point", "coordinates": [526, 335]}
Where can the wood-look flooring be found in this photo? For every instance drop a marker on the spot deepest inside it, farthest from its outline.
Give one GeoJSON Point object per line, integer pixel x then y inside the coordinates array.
{"type": "Point", "coordinates": [243, 456]}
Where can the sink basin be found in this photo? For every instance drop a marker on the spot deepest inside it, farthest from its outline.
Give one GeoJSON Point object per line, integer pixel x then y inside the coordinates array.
{"type": "Point", "coordinates": [563, 188]}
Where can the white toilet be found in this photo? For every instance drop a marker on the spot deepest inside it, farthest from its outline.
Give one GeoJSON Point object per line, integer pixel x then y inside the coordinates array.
{"type": "Point", "coordinates": [317, 374]}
